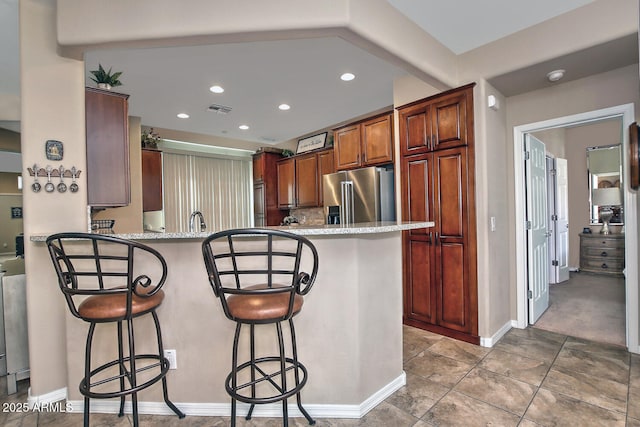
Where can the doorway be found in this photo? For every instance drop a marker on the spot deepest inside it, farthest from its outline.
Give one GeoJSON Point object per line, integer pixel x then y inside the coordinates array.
{"type": "Point", "coordinates": [626, 114]}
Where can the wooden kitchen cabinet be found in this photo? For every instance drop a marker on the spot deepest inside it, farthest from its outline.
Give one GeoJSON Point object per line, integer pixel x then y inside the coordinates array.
{"type": "Point", "coordinates": [439, 270]}
{"type": "Point", "coordinates": [107, 131]}
{"type": "Point", "coordinates": [265, 189]}
{"type": "Point", "coordinates": [151, 180]}
{"type": "Point", "coordinates": [436, 123]}
{"type": "Point", "coordinates": [367, 143]}
{"type": "Point", "coordinates": [300, 179]}
{"type": "Point", "coordinates": [286, 173]}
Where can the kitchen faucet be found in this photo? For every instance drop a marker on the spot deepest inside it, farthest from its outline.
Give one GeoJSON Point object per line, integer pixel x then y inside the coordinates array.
{"type": "Point", "coordinates": [202, 226]}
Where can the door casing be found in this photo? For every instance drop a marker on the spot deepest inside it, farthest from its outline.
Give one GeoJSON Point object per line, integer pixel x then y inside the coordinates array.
{"type": "Point", "coordinates": [626, 113]}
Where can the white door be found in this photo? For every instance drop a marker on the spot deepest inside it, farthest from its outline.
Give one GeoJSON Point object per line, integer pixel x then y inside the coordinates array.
{"type": "Point", "coordinates": [562, 221]}
{"type": "Point", "coordinates": [537, 253]}
{"type": "Point", "coordinates": [551, 217]}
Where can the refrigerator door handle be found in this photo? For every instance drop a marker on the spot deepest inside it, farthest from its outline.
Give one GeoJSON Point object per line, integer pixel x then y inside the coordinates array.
{"type": "Point", "coordinates": [347, 202]}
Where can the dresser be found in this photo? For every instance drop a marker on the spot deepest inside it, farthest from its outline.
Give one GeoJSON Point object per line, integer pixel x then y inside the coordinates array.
{"type": "Point", "coordinates": [602, 254]}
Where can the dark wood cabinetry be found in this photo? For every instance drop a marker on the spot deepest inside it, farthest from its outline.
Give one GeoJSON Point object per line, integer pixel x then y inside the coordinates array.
{"type": "Point", "coordinates": [107, 127]}
{"type": "Point", "coordinates": [367, 143]}
{"type": "Point", "coordinates": [265, 189]}
{"type": "Point", "coordinates": [440, 273]}
{"type": "Point", "coordinates": [151, 180]}
{"type": "Point", "coordinates": [436, 123]}
{"type": "Point", "coordinates": [300, 179]}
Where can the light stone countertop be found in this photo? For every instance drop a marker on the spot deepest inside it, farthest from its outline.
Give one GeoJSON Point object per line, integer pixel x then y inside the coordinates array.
{"type": "Point", "coordinates": [303, 230]}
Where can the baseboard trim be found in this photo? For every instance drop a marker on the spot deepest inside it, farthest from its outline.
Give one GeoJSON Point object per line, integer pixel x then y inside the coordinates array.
{"type": "Point", "coordinates": [47, 398]}
{"type": "Point", "coordinates": [493, 339]}
{"type": "Point", "coordinates": [270, 410]}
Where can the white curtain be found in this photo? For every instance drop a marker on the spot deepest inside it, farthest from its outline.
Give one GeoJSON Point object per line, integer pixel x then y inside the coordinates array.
{"type": "Point", "coordinates": [219, 188]}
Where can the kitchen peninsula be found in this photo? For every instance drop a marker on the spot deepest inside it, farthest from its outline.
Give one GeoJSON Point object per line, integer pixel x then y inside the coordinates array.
{"type": "Point", "coordinates": [349, 333]}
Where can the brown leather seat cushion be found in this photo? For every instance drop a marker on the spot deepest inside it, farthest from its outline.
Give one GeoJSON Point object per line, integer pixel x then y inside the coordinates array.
{"type": "Point", "coordinates": [263, 306]}
{"type": "Point", "coordinates": [114, 306]}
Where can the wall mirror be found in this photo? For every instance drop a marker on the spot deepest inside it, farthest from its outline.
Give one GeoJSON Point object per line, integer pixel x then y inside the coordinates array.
{"type": "Point", "coordinates": [604, 167]}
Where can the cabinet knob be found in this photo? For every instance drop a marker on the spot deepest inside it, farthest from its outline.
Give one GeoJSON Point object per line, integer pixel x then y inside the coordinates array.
{"type": "Point", "coordinates": [604, 254]}
{"type": "Point", "coordinates": [604, 265]}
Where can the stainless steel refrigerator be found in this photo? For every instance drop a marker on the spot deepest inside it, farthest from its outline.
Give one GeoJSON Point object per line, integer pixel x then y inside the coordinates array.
{"type": "Point", "coordinates": [359, 195]}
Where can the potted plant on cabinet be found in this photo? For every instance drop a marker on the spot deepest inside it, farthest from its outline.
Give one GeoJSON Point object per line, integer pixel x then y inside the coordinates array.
{"type": "Point", "coordinates": [150, 139]}
{"type": "Point", "coordinates": [106, 79]}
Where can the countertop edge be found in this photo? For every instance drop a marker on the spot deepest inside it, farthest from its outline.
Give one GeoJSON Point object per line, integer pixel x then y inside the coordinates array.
{"type": "Point", "coordinates": [324, 230]}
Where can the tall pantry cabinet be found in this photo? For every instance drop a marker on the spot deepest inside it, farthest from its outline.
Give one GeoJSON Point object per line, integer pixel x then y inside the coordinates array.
{"type": "Point", "coordinates": [437, 173]}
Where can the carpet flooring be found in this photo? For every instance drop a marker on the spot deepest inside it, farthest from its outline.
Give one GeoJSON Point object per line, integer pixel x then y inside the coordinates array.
{"type": "Point", "coordinates": [587, 306]}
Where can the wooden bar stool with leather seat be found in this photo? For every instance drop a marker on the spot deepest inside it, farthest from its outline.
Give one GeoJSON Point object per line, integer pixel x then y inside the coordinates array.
{"type": "Point", "coordinates": [259, 278]}
{"type": "Point", "coordinates": [102, 284]}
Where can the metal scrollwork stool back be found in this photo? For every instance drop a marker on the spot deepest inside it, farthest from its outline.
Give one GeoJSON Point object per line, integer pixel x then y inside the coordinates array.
{"type": "Point", "coordinates": [259, 278]}
{"type": "Point", "coordinates": [102, 283]}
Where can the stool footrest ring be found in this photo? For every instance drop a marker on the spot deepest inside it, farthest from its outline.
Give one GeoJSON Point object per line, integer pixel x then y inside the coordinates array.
{"type": "Point", "coordinates": [160, 362]}
{"type": "Point", "coordinates": [264, 376]}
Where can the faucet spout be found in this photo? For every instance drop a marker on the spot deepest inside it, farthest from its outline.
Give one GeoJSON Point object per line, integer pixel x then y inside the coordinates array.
{"type": "Point", "coordinates": [201, 224]}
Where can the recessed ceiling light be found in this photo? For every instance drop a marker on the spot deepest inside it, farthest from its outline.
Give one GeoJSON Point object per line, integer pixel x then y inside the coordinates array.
{"type": "Point", "coordinates": [347, 77]}
{"type": "Point", "coordinates": [183, 115]}
{"type": "Point", "coordinates": [243, 127]}
{"type": "Point", "coordinates": [216, 89]}
{"type": "Point", "coordinates": [284, 107]}
{"type": "Point", "coordinates": [555, 75]}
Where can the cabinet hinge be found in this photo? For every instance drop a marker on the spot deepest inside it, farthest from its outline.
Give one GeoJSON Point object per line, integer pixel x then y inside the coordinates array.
{"type": "Point", "coordinates": [555, 263]}
{"type": "Point", "coordinates": [554, 217]}
{"type": "Point", "coordinates": [529, 294]}
{"type": "Point", "coordinates": [527, 224]}
{"type": "Point", "coordinates": [527, 156]}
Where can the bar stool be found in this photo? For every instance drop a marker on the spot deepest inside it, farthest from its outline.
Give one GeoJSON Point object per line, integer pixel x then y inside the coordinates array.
{"type": "Point", "coordinates": [257, 275]}
{"type": "Point", "coordinates": [102, 284]}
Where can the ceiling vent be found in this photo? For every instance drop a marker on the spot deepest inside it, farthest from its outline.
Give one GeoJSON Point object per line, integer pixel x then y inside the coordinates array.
{"type": "Point", "coordinates": [220, 109]}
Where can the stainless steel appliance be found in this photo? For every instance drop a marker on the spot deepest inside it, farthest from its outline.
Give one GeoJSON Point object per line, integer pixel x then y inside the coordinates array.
{"type": "Point", "coordinates": [359, 195]}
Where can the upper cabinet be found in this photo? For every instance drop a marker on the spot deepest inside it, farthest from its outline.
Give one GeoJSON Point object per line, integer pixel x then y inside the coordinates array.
{"type": "Point", "coordinates": [151, 180]}
{"type": "Point", "coordinates": [300, 179]}
{"type": "Point", "coordinates": [437, 123]}
{"type": "Point", "coordinates": [366, 143]}
{"type": "Point", "coordinates": [107, 126]}
{"type": "Point", "coordinates": [265, 189]}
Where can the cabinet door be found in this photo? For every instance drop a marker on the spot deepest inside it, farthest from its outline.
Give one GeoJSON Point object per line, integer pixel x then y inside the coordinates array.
{"type": "Point", "coordinates": [107, 126]}
{"type": "Point", "coordinates": [449, 121]}
{"type": "Point", "coordinates": [418, 250]}
{"type": "Point", "coordinates": [286, 172]}
{"type": "Point", "coordinates": [307, 181]}
{"type": "Point", "coordinates": [325, 166]}
{"type": "Point", "coordinates": [415, 129]}
{"type": "Point", "coordinates": [377, 147]}
{"type": "Point", "coordinates": [259, 205]}
{"type": "Point", "coordinates": [258, 167]}
{"type": "Point", "coordinates": [455, 298]}
{"type": "Point", "coordinates": [151, 180]}
{"type": "Point", "coordinates": [347, 147]}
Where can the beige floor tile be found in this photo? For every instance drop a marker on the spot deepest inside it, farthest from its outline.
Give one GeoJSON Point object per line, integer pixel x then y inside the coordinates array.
{"type": "Point", "coordinates": [634, 375]}
{"type": "Point", "coordinates": [528, 423]}
{"type": "Point", "coordinates": [188, 421]}
{"type": "Point", "coordinates": [599, 365]}
{"type": "Point", "coordinates": [633, 406]}
{"type": "Point", "coordinates": [540, 345]}
{"type": "Point", "coordinates": [26, 420]}
{"type": "Point", "coordinates": [609, 351]}
{"type": "Point", "coordinates": [498, 390]}
{"type": "Point", "coordinates": [418, 395]}
{"type": "Point", "coordinates": [632, 422]}
{"type": "Point", "coordinates": [598, 391]}
{"type": "Point", "coordinates": [416, 340]}
{"type": "Point", "coordinates": [456, 409]}
{"type": "Point", "coordinates": [538, 334]}
{"type": "Point", "coordinates": [513, 365]}
{"type": "Point", "coordinates": [385, 415]}
{"type": "Point", "coordinates": [440, 369]}
{"type": "Point", "coordinates": [459, 350]}
{"type": "Point", "coordinates": [554, 409]}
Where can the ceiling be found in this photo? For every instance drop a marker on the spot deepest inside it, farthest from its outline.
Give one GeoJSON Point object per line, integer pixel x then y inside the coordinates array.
{"type": "Point", "coordinates": [259, 76]}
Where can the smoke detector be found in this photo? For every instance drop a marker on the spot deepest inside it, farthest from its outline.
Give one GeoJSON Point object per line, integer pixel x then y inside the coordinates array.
{"type": "Point", "coordinates": [555, 75]}
{"type": "Point", "coordinates": [220, 109]}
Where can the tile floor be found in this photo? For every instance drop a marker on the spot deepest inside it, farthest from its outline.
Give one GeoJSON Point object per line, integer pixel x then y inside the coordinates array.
{"type": "Point", "coordinates": [529, 378]}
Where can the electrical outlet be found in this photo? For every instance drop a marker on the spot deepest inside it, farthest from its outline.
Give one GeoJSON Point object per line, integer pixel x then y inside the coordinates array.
{"type": "Point", "coordinates": [171, 357]}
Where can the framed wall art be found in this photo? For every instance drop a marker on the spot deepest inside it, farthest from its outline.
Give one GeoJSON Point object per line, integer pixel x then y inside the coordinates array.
{"type": "Point", "coordinates": [310, 143]}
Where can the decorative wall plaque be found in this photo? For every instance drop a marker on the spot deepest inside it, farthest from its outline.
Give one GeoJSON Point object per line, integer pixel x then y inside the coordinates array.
{"type": "Point", "coordinates": [53, 149]}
